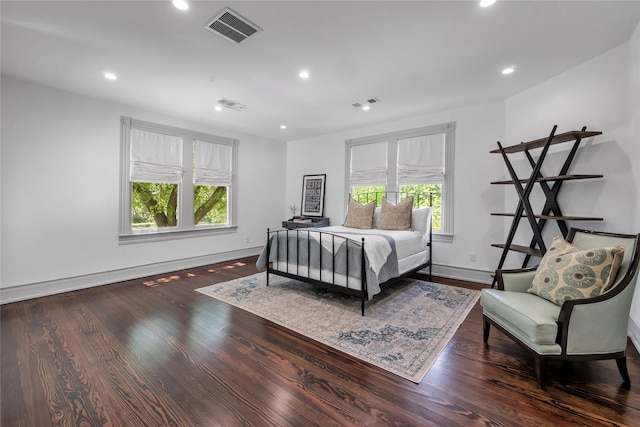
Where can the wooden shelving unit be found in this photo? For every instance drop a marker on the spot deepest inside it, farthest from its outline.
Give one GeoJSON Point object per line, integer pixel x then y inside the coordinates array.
{"type": "Point", "coordinates": [551, 210]}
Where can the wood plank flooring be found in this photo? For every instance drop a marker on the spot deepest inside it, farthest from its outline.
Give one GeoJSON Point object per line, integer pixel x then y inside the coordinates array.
{"type": "Point", "coordinates": [152, 352]}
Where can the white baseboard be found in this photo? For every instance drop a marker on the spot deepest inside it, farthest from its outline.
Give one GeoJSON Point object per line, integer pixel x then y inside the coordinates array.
{"type": "Point", "coordinates": [463, 273]}
{"type": "Point", "coordinates": [41, 289]}
{"type": "Point", "coordinates": [634, 334]}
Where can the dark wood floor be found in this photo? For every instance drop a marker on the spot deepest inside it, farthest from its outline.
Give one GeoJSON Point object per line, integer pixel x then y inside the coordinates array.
{"type": "Point", "coordinates": [153, 352]}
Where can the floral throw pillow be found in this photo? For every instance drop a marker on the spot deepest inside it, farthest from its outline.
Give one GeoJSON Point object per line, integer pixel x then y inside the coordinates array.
{"type": "Point", "coordinates": [359, 216]}
{"type": "Point", "coordinates": [567, 272]}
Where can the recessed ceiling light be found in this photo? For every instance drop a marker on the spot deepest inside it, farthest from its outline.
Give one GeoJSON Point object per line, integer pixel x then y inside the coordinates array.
{"type": "Point", "coordinates": [486, 3]}
{"type": "Point", "coordinates": [366, 107]}
{"type": "Point", "coordinates": [283, 126]}
{"type": "Point", "coordinates": [304, 74]}
{"type": "Point", "coordinates": [508, 70]}
{"type": "Point", "coordinates": [180, 4]}
{"type": "Point", "coordinates": [110, 76]}
{"type": "Point", "coordinates": [217, 108]}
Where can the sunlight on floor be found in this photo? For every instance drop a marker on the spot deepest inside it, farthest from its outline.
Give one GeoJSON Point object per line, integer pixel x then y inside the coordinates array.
{"type": "Point", "coordinates": [227, 267]}
{"type": "Point", "coordinates": [156, 282]}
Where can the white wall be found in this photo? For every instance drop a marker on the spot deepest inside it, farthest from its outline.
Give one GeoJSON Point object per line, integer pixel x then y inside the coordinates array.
{"type": "Point", "coordinates": [634, 113]}
{"type": "Point", "coordinates": [603, 95]}
{"type": "Point", "coordinates": [60, 192]}
{"type": "Point", "coordinates": [477, 130]}
{"type": "Point", "coordinates": [634, 138]}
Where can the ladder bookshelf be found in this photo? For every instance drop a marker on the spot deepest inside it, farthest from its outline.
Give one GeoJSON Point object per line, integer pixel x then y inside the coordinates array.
{"type": "Point", "coordinates": [550, 186]}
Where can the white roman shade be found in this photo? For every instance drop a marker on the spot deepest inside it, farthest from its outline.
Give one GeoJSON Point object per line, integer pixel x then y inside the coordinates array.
{"type": "Point", "coordinates": [421, 159]}
{"type": "Point", "coordinates": [155, 157]}
{"type": "Point", "coordinates": [369, 164]}
{"type": "Point", "coordinates": [212, 163]}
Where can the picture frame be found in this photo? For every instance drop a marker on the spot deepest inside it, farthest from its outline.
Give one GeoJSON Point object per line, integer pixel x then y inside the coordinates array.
{"type": "Point", "coordinates": [313, 195]}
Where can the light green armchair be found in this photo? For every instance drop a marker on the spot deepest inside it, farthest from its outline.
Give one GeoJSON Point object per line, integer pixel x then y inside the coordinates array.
{"type": "Point", "coordinates": [580, 329]}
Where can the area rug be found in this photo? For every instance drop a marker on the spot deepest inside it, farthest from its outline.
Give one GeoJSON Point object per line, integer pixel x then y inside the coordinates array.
{"type": "Point", "coordinates": [403, 331]}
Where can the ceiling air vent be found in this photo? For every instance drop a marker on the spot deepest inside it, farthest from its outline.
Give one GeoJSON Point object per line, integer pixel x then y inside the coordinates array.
{"type": "Point", "coordinates": [232, 26]}
{"type": "Point", "coordinates": [365, 103]}
{"type": "Point", "coordinates": [233, 105]}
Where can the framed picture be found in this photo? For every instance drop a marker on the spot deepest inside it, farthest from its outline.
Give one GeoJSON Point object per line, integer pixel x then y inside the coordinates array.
{"type": "Point", "coordinates": [313, 195]}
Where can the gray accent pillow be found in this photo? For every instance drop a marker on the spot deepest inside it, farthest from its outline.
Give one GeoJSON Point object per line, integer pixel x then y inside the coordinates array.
{"type": "Point", "coordinates": [396, 217]}
{"type": "Point", "coordinates": [360, 216]}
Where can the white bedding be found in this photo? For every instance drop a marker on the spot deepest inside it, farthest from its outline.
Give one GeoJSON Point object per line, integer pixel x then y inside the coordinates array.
{"type": "Point", "coordinates": [407, 242]}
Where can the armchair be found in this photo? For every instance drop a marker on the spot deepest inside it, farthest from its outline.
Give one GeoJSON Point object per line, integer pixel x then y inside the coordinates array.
{"type": "Point", "coordinates": [580, 329]}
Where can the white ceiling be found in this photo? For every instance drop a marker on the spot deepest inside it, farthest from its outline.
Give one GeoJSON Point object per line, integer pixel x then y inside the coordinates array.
{"type": "Point", "coordinates": [415, 56]}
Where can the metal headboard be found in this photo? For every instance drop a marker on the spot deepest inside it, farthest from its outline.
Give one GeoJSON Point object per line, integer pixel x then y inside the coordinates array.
{"type": "Point", "coordinates": [420, 199]}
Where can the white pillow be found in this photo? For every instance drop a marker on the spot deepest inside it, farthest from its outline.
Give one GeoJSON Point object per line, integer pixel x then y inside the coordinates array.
{"type": "Point", "coordinates": [376, 216]}
{"type": "Point", "coordinates": [420, 219]}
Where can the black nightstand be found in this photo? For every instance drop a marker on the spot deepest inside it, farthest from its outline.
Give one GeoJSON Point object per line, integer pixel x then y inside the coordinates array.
{"type": "Point", "coordinates": [315, 222]}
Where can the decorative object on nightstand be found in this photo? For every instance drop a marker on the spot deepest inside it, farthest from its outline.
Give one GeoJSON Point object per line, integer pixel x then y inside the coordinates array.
{"type": "Point", "coordinates": [312, 209]}
{"type": "Point", "coordinates": [313, 195]}
{"type": "Point", "coordinates": [293, 209]}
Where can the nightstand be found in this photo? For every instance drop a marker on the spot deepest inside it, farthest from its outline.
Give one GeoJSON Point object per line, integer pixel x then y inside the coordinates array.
{"type": "Point", "coordinates": [315, 222]}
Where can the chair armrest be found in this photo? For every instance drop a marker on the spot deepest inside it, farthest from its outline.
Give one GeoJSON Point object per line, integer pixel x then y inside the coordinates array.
{"type": "Point", "coordinates": [598, 325]}
{"type": "Point", "coordinates": [595, 327]}
{"type": "Point", "coordinates": [515, 280]}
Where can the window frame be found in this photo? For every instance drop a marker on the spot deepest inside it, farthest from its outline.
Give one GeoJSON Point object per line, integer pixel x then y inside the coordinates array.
{"type": "Point", "coordinates": [445, 234]}
{"type": "Point", "coordinates": [185, 227]}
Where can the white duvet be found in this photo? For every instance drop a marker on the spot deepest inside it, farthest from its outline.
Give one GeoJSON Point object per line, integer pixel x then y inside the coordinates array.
{"type": "Point", "coordinates": [377, 247]}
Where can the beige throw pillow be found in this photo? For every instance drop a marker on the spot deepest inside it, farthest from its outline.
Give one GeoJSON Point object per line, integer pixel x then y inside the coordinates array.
{"type": "Point", "coordinates": [396, 217]}
{"type": "Point", "coordinates": [360, 216]}
{"type": "Point", "coordinates": [567, 272]}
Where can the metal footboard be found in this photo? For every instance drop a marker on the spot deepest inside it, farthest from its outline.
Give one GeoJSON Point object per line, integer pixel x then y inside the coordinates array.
{"type": "Point", "coordinates": [298, 259]}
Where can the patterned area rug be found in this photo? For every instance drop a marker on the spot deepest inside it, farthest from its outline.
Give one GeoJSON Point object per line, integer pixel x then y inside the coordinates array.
{"type": "Point", "coordinates": [404, 329]}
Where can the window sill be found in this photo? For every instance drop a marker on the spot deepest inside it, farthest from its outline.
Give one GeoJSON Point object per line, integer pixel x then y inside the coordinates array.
{"type": "Point", "coordinates": [158, 236]}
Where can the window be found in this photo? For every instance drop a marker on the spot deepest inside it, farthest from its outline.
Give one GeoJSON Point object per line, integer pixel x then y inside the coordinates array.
{"type": "Point", "coordinates": [174, 181]}
{"type": "Point", "coordinates": [411, 161]}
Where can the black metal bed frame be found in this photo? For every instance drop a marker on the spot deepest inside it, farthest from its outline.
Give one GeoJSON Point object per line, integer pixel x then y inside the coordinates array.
{"type": "Point", "coordinates": [362, 293]}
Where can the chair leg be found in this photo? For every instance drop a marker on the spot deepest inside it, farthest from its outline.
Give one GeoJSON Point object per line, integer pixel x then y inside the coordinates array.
{"type": "Point", "coordinates": [485, 328]}
{"type": "Point", "coordinates": [540, 372]}
{"type": "Point", "coordinates": [622, 367]}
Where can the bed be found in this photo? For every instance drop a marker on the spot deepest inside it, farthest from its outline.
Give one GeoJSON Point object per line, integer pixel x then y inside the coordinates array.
{"type": "Point", "coordinates": [374, 248]}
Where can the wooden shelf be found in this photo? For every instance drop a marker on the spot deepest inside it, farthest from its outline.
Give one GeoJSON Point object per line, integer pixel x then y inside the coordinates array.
{"type": "Point", "coordinates": [553, 217]}
{"type": "Point", "coordinates": [550, 185]}
{"type": "Point", "coordinates": [518, 248]}
{"type": "Point", "coordinates": [552, 178]}
{"type": "Point", "coordinates": [557, 139]}
{"type": "Point", "coordinates": [569, 218]}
